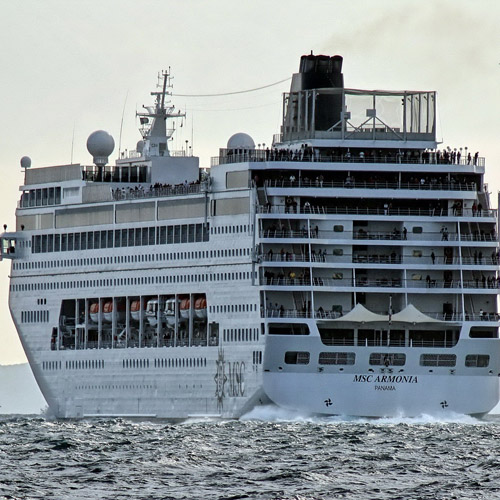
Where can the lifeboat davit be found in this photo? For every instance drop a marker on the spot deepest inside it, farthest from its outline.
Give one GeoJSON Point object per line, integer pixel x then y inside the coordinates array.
{"type": "Point", "coordinates": [200, 308]}
{"type": "Point", "coordinates": [170, 311]}
{"type": "Point", "coordinates": [94, 312]}
{"type": "Point", "coordinates": [135, 310]}
{"type": "Point", "coordinates": [107, 311]}
{"type": "Point", "coordinates": [184, 308]}
{"type": "Point", "coordinates": [152, 312]}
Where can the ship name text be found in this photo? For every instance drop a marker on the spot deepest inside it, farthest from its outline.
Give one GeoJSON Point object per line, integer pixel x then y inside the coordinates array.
{"type": "Point", "coordinates": [387, 379]}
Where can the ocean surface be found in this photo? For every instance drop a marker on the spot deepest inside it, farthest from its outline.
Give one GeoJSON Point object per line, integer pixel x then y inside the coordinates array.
{"type": "Point", "coordinates": [269, 454]}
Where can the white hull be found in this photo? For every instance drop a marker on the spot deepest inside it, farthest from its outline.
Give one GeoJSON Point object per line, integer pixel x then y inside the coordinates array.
{"type": "Point", "coordinates": [160, 392]}
{"type": "Point", "coordinates": [383, 394]}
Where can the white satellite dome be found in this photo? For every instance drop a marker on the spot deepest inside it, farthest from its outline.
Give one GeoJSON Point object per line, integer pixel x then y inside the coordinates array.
{"type": "Point", "coordinates": [25, 162]}
{"type": "Point", "coordinates": [240, 141]}
{"type": "Point", "coordinates": [140, 146]}
{"type": "Point", "coordinates": [100, 145]}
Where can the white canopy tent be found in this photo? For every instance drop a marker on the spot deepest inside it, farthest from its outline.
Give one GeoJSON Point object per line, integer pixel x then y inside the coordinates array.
{"type": "Point", "coordinates": [410, 314]}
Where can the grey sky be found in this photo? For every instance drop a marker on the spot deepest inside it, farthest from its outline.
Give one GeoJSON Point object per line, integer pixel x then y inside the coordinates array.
{"type": "Point", "coordinates": [71, 66]}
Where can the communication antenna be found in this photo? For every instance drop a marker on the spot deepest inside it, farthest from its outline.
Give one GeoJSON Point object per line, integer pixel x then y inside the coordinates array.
{"type": "Point", "coordinates": [121, 126]}
{"type": "Point", "coordinates": [72, 143]}
{"type": "Point", "coordinates": [192, 135]}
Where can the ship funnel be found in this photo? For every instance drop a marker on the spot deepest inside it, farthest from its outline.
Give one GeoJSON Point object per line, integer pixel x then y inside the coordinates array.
{"type": "Point", "coordinates": [318, 72]}
{"type": "Point", "coordinates": [322, 74]}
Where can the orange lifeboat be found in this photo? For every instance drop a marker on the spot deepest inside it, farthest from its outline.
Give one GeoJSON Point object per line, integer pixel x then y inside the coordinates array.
{"type": "Point", "coordinates": [184, 308]}
{"type": "Point", "coordinates": [94, 312]}
{"type": "Point", "coordinates": [107, 311]}
{"type": "Point", "coordinates": [200, 308]}
{"type": "Point", "coordinates": [135, 310]}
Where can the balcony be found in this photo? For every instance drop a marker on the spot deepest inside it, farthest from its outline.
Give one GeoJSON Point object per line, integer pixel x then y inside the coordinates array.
{"type": "Point", "coordinates": [392, 212]}
{"type": "Point", "coordinates": [331, 315]}
{"type": "Point", "coordinates": [137, 193]}
{"type": "Point", "coordinates": [352, 184]}
{"type": "Point", "coordinates": [362, 282]}
{"type": "Point", "coordinates": [274, 155]}
{"type": "Point", "coordinates": [289, 258]}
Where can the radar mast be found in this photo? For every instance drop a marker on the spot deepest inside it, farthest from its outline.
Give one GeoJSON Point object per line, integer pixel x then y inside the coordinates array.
{"type": "Point", "coordinates": [153, 121]}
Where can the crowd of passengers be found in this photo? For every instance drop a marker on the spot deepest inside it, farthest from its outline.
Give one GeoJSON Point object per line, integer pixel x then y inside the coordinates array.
{"type": "Point", "coordinates": [278, 311]}
{"type": "Point", "coordinates": [308, 153]}
{"type": "Point", "coordinates": [156, 189]}
{"type": "Point", "coordinates": [415, 182]}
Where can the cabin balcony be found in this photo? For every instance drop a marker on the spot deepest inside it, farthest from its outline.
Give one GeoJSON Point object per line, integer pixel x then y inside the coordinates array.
{"type": "Point", "coordinates": [322, 259]}
{"type": "Point", "coordinates": [364, 211]}
{"type": "Point", "coordinates": [417, 283]}
{"type": "Point", "coordinates": [276, 314]}
{"type": "Point", "coordinates": [306, 184]}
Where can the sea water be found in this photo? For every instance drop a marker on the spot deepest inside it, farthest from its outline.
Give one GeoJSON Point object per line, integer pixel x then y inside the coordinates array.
{"type": "Point", "coordinates": [268, 454]}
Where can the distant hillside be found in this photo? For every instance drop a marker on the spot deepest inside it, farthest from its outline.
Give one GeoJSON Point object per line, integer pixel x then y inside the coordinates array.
{"type": "Point", "coordinates": [19, 392]}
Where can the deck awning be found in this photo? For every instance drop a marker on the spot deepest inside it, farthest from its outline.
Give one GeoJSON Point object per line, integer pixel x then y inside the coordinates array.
{"type": "Point", "coordinates": [410, 314]}
{"type": "Point", "coordinates": [360, 314]}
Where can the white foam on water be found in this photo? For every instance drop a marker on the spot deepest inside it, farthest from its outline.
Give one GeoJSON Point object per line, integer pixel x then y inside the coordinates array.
{"type": "Point", "coordinates": [272, 413]}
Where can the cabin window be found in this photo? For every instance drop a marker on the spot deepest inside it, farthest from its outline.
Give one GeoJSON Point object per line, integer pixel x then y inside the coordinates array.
{"type": "Point", "coordinates": [483, 333]}
{"type": "Point", "coordinates": [90, 240]}
{"type": "Point", "coordinates": [448, 360]}
{"type": "Point", "coordinates": [177, 234]}
{"type": "Point", "coordinates": [64, 242]}
{"type": "Point", "coordinates": [477, 360]}
{"type": "Point", "coordinates": [110, 239]}
{"type": "Point", "coordinates": [338, 228]}
{"type": "Point", "coordinates": [387, 359]}
{"type": "Point", "coordinates": [336, 358]}
{"type": "Point", "coordinates": [297, 357]}
{"type": "Point", "coordinates": [417, 229]}
{"type": "Point", "coordinates": [288, 329]}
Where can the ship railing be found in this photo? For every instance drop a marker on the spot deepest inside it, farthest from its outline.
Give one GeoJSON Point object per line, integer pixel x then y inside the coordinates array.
{"type": "Point", "coordinates": [286, 313]}
{"type": "Point", "coordinates": [388, 343]}
{"type": "Point", "coordinates": [377, 259]}
{"type": "Point", "coordinates": [121, 344]}
{"type": "Point", "coordinates": [395, 212]}
{"type": "Point", "coordinates": [318, 281]}
{"type": "Point", "coordinates": [478, 261]}
{"type": "Point", "coordinates": [280, 312]}
{"type": "Point", "coordinates": [282, 155]}
{"type": "Point", "coordinates": [437, 235]}
{"type": "Point", "coordinates": [119, 194]}
{"type": "Point", "coordinates": [479, 237]}
{"type": "Point", "coordinates": [352, 184]}
{"type": "Point", "coordinates": [373, 236]}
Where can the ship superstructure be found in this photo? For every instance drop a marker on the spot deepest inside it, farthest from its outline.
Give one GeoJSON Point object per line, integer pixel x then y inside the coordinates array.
{"type": "Point", "coordinates": [351, 268]}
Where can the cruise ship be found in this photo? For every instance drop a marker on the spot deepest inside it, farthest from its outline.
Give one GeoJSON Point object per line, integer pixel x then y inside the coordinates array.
{"type": "Point", "coordinates": [350, 268]}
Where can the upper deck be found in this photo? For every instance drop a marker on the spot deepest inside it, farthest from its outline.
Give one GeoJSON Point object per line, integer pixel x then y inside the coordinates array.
{"type": "Point", "coordinates": [347, 117]}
